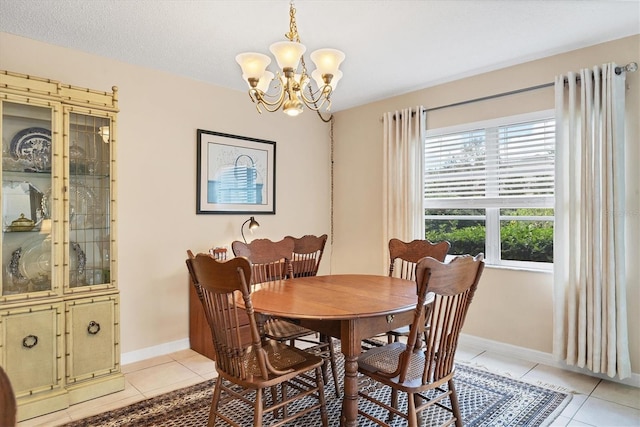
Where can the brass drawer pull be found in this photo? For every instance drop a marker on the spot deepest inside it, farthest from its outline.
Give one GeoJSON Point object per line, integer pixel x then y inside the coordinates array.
{"type": "Point", "coordinates": [390, 318]}
{"type": "Point", "coordinates": [29, 341]}
{"type": "Point", "coordinates": [93, 328]}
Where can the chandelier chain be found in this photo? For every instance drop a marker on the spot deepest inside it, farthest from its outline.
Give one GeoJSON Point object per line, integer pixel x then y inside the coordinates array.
{"type": "Point", "coordinates": [293, 28]}
{"type": "Point", "coordinates": [331, 120]}
{"type": "Point", "coordinates": [293, 35]}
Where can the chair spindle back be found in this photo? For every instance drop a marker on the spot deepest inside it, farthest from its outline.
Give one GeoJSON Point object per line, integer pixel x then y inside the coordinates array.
{"type": "Point", "coordinates": [307, 254]}
{"type": "Point", "coordinates": [269, 260]}
{"type": "Point", "coordinates": [403, 256]}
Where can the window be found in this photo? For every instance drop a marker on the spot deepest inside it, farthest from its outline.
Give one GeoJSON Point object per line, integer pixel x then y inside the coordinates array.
{"type": "Point", "coordinates": [489, 187]}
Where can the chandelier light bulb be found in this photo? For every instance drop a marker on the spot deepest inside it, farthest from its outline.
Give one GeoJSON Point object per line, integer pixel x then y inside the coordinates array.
{"type": "Point", "coordinates": [253, 64]}
{"type": "Point", "coordinates": [292, 107]}
{"type": "Point", "coordinates": [327, 61]}
{"type": "Point", "coordinates": [288, 54]}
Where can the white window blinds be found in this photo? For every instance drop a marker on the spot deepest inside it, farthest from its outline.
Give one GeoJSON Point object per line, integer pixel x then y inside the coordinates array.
{"type": "Point", "coordinates": [506, 165]}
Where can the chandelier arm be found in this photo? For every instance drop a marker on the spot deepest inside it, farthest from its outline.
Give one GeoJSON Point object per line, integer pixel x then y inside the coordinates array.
{"type": "Point", "coordinates": [312, 97]}
{"type": "Point", "coordinates": [258, 96]}
{"type": "Point", "coordinates": [313, 104]}
{"type": "Point", "coordinates": [323, 98]}
{"type": "Point", "coordinates": [317, 110]}
{"type": "Point", "coordinates": [269, 107]}
{"type": "Point", "coordinates": [266, 107]}
{"type": "Point", "coordinates": [279, 87]}
{"type": "Point", "coordinates": [316, 107]}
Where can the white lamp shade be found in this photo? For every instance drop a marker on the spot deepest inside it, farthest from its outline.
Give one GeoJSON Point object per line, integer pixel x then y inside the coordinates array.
{"type": "Point", "coordinates": [263, 83]}
{"type": "Point", "coordinates": [317, 76]}
{"type": "Point", "coordinates": [327, 60]}
{"type": "Point", "coordinates": [287, 53]}
{"type": "Point", "coordinates": [253, 64]}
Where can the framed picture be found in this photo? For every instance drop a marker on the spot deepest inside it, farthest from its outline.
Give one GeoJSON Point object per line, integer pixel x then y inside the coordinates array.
{"type": "Point", "coordinates": [236, 174]}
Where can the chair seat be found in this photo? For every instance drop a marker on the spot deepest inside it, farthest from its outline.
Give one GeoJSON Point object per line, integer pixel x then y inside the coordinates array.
{"type": "Point", "coordinates": [384, 360]}
{"type": "Point", "coordinates": [282, 357]}
{"type": "Point", "coordinates": [281, 329]}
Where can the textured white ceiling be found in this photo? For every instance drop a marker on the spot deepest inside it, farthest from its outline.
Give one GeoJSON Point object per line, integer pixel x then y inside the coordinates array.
{"type": "Point", "coordinates": [392, 47]}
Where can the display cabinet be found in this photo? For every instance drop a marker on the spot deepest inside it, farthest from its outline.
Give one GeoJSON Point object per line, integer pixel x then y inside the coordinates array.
{"type": "Point", "coordinates": [59, 300]}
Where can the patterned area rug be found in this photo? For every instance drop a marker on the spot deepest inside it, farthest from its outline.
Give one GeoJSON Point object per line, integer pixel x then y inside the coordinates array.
{"type": "Point", "coordinates": [486, 399]}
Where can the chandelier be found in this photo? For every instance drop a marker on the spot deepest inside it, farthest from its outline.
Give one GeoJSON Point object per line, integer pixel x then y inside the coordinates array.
{"type": "Point", "coordinates": [290, 82]}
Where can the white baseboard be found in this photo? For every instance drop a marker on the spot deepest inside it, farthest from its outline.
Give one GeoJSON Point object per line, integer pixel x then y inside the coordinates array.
{"type": "Point", "coordinates": [536, 356]}
{"type": "Point", "coordinates": [156, 350]}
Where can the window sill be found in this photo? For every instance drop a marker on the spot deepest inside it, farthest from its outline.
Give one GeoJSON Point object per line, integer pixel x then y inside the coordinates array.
{"type": "Point", "coordinates": [520, 268]}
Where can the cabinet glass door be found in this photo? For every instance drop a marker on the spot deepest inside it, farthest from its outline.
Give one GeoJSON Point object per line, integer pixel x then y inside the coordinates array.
{"type": "Point", "coordinates": [27, 147]}
{"type": "Point", "coordinates": [89, 194]}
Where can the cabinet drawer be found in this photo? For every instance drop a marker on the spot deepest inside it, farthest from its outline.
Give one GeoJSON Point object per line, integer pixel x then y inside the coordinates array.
{"type": "Point", "coordinates": [31, 353]}
{"type": "Point", "coordinates": [91, 331]}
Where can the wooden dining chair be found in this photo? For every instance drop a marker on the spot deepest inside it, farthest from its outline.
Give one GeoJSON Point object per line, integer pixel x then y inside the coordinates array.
{"type": "Point", "coordinates": [270, 260]}
{"type": "Point", "coordinates": [273, 261]}
{"type": "Point", "coordinates": [413, 369]}
{"type": "Point", "coordinates": [403, 257]}
{"type": "Point", "coordinates": [247, 370]}
{"type": "Point", "coordinates": [307, 254]}
{"type": "Point", "coordinates": [8, 406]}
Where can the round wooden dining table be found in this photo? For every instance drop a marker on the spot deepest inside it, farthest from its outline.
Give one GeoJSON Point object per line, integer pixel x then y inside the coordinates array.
{"type": "Point", "coordinates": [350, 307]}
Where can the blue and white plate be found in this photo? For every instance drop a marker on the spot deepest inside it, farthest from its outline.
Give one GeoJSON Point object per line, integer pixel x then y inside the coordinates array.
{"type": "Point", "coordinates": [33, 146]}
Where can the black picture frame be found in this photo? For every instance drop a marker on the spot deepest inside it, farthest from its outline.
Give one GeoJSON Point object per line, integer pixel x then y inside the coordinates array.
{"type": "Point", "coordinates": [235, 174]}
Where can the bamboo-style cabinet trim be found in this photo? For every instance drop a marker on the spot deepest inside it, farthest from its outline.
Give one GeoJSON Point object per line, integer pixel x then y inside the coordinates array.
{"type": "Point", "coordinates": [59, 297]}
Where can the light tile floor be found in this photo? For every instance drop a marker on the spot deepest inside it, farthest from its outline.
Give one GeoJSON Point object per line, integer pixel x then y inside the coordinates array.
{"type": "Point", "coordinates": [595, 402]}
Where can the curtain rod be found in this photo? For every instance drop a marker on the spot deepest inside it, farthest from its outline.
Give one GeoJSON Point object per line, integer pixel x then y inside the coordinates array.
{"type": "Point", "coordinates": [485, 98]}
{"type": "Point", "coordinates": [630, 67]}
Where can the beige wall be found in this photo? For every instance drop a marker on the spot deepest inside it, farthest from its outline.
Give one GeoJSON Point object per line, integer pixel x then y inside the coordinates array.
{"type": "Point", "coordinates": [514, 307]}
{"type": "Point", "coordinates": [156, 169]}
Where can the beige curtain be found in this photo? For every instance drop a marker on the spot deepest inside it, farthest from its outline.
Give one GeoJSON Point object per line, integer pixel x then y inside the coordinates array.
{"type": "Point", "coordinates": [590, 314]}
{"type": "Point", "coordinates": [403, 182]}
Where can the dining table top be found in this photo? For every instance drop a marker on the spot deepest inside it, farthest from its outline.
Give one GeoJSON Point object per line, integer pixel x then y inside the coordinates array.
{"type": "Point", "coordinates": [334, 297]}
